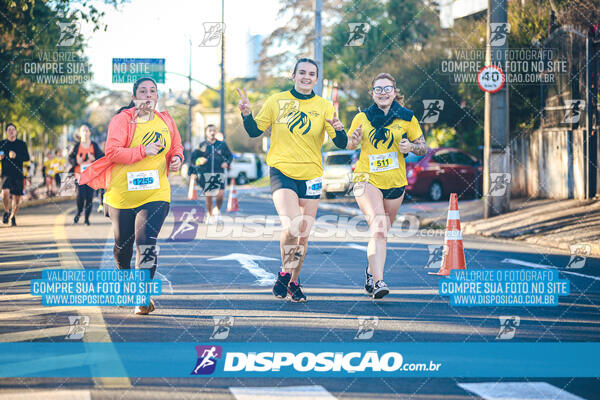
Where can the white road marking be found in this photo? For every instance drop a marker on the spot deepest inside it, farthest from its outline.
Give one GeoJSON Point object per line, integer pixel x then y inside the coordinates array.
{"type": "Point", "coordinates": [518, 391]}
{"type": "Point", "coordinates": [542, 266]}
{"type": "Point", "coordinates": [275, 393]}
{"type": "Point", "coordinates": [247, 261]}
{"type": "Point", "coordinates": [356, 246]}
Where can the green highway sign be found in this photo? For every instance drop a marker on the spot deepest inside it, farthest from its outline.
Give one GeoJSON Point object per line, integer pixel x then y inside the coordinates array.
{"type": "Point", "coordinates": [129, 70]}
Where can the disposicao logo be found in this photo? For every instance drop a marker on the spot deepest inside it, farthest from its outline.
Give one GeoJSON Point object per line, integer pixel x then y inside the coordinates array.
{"type": "Point", "coordinates": [307, 361]}
{"type": "Point", "coordinates": [207, 359]}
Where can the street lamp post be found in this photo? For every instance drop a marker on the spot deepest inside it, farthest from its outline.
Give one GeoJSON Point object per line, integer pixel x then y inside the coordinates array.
{"type": "Point", "coordinates": [189, 124]}
{"type": "Point", "coordinates": [319, 46]}
{"type": "Point", "coordinates": [222, 98]}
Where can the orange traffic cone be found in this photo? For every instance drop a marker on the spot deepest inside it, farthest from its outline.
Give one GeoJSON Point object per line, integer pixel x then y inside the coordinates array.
{"type": "Point", "coordinates": [192, 194]}
{"type": "Point", "coordinates": [232, 201]}
{"type": "Point", "coordinates": [454, 254]}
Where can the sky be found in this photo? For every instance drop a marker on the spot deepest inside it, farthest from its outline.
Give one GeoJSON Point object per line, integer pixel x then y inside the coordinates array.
{"type": "Point", "coordinates": [162, 29]}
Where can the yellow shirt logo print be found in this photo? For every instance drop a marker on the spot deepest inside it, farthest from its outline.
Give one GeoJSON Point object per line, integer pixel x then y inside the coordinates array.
{"type": "Point", "coordinates": [299, 123]}
{"type": "Point", "coordinates": [151, 137]}
{"type": "Point", "coordinates": [286, 108]}
{"type": "Point", "coordinates": [387, 136]}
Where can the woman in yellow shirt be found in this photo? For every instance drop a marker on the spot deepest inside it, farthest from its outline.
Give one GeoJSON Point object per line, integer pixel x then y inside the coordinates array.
{"type": "Point", "coordinates": [385, 131]}
{"type": "Point", "coordinates": [142, 145]}
{"type": "Point", "coordinates": [298, 119]}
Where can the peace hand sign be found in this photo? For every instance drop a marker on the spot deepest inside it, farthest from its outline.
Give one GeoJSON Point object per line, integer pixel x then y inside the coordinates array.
{"type": "Point", "coordinates": [355, 138]}
{"type": "Point", "coordinates": [244, 103]}
{"type": "Point", "coordinates": [335, 122]}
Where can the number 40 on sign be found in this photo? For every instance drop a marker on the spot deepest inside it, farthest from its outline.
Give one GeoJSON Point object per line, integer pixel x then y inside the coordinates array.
{"type": "Point", "coordinates": [490, 78]}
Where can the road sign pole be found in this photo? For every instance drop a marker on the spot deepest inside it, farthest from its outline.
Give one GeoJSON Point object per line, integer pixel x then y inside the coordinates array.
{"type": "Point", "coordinates": [319, 46]}
{"type": "Point", "coordinates": [189, 124]}
{"type": "Point", "coordinates": [222, 97]}
{"type": "Point", "coordinates": [496, 154]}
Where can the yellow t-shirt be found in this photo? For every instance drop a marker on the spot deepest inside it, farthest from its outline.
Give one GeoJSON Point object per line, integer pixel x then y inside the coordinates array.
{"type": "Point", "coordinates": [381, 161]}
{"type": "Point", "coordinates": [57, 166]}
{"type": "Point", "coordinates": [298, 130]}
{"type": "Point", "coordinates": [49, 168]}
{"type": "Point", "coordinates": [132, 185]}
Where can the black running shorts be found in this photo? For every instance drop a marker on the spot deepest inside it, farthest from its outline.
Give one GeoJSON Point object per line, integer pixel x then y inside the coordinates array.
{"type": "Point", "coordinates": [392, 193]}
{"type": "Point", "coordinates": [310, 189]}
{"type": "Point", "coordinates": [14, 184]}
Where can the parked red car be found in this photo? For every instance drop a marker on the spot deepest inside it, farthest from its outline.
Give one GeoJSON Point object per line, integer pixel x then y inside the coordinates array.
{"type": "Point", "coordinates": [443, 171]}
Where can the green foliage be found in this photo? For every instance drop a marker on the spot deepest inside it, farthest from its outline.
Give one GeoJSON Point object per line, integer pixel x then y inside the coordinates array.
{"type": "Point", "coordinates": [30, 31]}
{"type": "Point", "coordinates": [405, 39]}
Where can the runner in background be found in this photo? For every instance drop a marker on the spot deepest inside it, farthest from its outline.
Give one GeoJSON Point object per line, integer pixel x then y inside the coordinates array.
{"type": "Point", "coordinates": [385, 131]}
{"type": "Point", "coordinates": [81, 156]}
{"type": "Point", "coordinates": [58, 165]}
{"type": "Point", "coordinates": [210, 161]}
{"type": "Point", "coordinates": [299, 119]}
{"type": "Point", "coordinates": [142, 146]}
{"type": "Point", "coordinates": [48, 173]}
{"type": "Point", "coordinates": [100, 192]}
{"type": "Point", "coordinates": [13, 153]}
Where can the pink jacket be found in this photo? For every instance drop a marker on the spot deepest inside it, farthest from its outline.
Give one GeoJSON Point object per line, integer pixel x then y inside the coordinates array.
{"type": "Point", "coordinates": [120, 135]}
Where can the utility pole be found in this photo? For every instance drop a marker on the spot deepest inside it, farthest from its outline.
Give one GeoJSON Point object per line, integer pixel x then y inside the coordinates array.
{"type": "Point", "coordinates": [222, 100]}
{"type": "Point", "coordinates": [189, 124]}
{"type": "Point", "coordinates": [496, 153]}
{"type": "Point", "coordinates": [319, 46]}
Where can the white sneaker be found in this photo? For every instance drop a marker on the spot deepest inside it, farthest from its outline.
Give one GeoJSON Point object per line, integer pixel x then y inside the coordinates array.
{"type": "Point", "coordinates": [216, 213]}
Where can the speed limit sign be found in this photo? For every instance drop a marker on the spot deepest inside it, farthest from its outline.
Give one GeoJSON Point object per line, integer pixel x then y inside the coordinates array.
{"type": "Point", "coordinates": [490, 78]}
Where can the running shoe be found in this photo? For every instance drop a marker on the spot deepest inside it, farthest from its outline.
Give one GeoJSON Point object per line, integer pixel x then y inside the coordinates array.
{"type": "Point", "coordinates": [280, 289]}
{"type": "Point", "coordinates": [368, 282]}
{"type": "Point", "coordinates": [87, 222]}
{"type": "Point", "coordinates": [76, 219]}
{"type": "Point", "coordinates": [13, 222]}
{"type": "Point", "coordinates": [380, 289]}
{"type": "Point", "coordinates": [295, 292]}
{"type": "Point", "coordinates": [5, 218]}
{"type": "Point", "coordinates": [145, 310]}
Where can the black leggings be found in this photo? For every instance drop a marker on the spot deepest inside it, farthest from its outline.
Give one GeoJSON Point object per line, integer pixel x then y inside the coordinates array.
{"type": "Point", "coordinates": [143, 224]}
{"type": "Point", "coordinates": [85, 195]}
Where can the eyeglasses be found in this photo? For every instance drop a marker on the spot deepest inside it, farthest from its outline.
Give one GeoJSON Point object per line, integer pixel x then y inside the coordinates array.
{"type": "Point", "coordinates": [379, 89]}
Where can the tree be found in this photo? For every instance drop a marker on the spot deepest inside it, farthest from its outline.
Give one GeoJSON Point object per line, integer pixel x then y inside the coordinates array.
{"type": "Point", "coordinates": [31, 32]}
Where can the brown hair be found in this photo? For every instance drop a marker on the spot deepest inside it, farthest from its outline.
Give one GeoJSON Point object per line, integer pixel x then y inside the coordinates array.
{"type": "Point", "coordinates": [384, 75]}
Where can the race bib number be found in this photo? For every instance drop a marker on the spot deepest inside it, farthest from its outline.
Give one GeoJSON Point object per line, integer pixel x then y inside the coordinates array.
{"type": "Point", "coordinates": [84, 166]}
{"type": "Point", "coordinates": [143, 180]}
{"type": "Point", "coordinates": [314, 186]}
{"type": "Point", "coordinates": [383, 162]}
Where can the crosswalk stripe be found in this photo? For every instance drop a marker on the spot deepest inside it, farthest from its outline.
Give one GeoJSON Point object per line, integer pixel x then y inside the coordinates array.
{"type": "Point", "coordinates": [518, 391]}
{"type": "Point", "coordinates": [275, 393]}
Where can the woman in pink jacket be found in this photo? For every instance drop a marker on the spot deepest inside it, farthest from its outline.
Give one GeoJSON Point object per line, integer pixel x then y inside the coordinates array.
{"type": "Point", "coordinates": [142, 146]}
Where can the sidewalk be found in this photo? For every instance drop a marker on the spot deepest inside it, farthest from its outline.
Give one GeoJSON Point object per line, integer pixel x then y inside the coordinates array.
{"type": "Point", "coordinates": [41, 198]}
{"type": "Point", "coordinates": [552, 223]}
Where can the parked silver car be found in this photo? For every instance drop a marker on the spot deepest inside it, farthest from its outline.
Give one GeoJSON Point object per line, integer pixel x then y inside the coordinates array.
{"type": "Point", "coordinates": [337, 171]}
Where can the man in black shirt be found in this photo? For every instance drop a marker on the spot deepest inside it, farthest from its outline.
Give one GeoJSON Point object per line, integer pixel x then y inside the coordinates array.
{"type": "Point", "coordinates": [13, 152]}
{"type": "Point", "coordinates": [209, 163]}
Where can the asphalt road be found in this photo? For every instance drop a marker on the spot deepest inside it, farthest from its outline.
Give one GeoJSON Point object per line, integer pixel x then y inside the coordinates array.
{"type": "Point", "coordinates": [198, 286]}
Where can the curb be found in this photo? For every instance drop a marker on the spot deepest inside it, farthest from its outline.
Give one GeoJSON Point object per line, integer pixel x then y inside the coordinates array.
{"type": "Point", "coordinates": [594, 248]}
{"type": "Point", "coordinates": [47, 200]}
